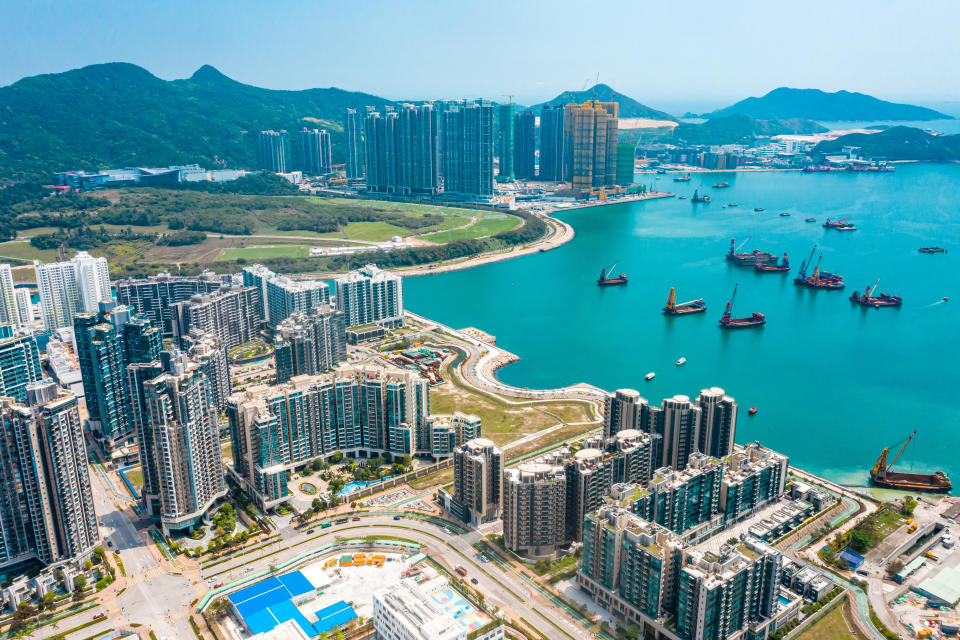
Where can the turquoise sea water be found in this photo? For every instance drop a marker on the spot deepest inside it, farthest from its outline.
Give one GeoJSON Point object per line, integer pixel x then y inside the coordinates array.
{"type": "Point", "coordinates": [833, 382]}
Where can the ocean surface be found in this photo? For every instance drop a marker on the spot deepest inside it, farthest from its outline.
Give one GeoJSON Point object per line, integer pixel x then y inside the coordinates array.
{"type": "Point", "coordinates": [833, 382]}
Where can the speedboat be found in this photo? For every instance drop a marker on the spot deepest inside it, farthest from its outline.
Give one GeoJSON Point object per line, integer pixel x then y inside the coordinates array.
{"type": "Point", "coordinates": [752, 411]}
{"type": "Point", "coordinates": [649, 376]}
{"type": "Point", "coordinates": [758, 209]}
{"type": "Point", "coordinates": [784, 214]}
{"type": "Point", "coordinates": [810, 219]}
{"type": "Point", "coordinates": [681, 361]}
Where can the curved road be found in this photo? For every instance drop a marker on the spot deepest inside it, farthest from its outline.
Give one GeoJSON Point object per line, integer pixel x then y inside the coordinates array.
{"type": "Point", "coordinates": [501, 588]}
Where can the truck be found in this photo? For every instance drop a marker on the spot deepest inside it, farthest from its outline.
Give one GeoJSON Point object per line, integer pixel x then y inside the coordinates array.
{"type": "Point", "coordinates": [461, 570]}
{"type": "Point", "coordinates": [326, 525]}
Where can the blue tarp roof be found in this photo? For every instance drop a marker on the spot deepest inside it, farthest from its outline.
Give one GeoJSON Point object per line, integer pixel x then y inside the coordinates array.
{"type": "Point", "coordinates": [266, 604]}
{"type": "Point", "coordinates": [331, 617]}
{"type": "Point", "coordinates": [854, 559]}
{"type": "Point", "coordinates": [266, 619]}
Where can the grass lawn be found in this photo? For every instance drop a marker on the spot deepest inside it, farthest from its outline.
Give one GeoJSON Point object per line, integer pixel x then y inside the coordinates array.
{"type": "Point", "coordinates": [25, 251]}
{"type": "Point", "coordinates": [503, 422]}
{"type": "Point", "coordinates": [487, 225]}
{"type": "Point", "coordinates": [260, 252]}
{"type": "Point", "coordinates": [226, 449]}
{"type": "Point", "coordinates": [830, 627]}
{"type": "Point", "coordinates": [374, 231]}
{"type": "Point", "coordinates": [442, 477]}
{"type": "Point", "coordinates": [135, 476]}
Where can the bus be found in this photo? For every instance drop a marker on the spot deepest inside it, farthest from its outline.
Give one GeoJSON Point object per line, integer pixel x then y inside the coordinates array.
{"type": "Point", "coordinates": [325, 525]}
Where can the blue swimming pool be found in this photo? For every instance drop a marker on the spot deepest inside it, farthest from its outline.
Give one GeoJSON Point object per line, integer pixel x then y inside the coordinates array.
{"type": "Point", "coordinates": [356, 485]}
{"type": "Point", "coordinates": [784, 600]}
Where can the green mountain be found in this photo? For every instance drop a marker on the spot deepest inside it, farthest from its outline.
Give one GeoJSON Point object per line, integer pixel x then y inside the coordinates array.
{"type": "Point", "coordinates": [118, 114]}
{"type": "Point", "coordinates": [739, 129]}
{"type": "Point", "coordinates": [898, 143]}
{"type": "Point", "coordinates": [814, 104]}
{"type": "Point", "coordinates": [629, 108]}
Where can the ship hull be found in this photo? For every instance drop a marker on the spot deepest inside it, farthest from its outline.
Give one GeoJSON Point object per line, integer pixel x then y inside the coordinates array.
{"type": "Point", "coordinates": [929, 483]}
{"type": "Point", "coordinates": [742, 323]}
{"type": "Point", "coordinates": [683, 311]}
{"type": "Point", "coordinates": [610, 282]}
{"type": "Point", "coordinates": [751, 259]}
{"type": "Point", "coordinates": [811, 284]}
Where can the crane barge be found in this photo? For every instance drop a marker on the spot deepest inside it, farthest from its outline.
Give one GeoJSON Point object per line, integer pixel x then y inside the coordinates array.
{"type": "Point", "coordinates": [727, 321]}
{"type": "Point", "coordinates": [783, 267]}
{"type": "Point", "coordinates": [818, 279]}
{"type": "Point", "coordinates": [749, 259]}
{"type": "Point", "coordinates": [937, 482]}
{"type": "Point", "coordinates": [606, 279]}
{"type": "Point", "coordinates": [870, 300]}
{"type": "Point", "coordinates": [673, 308]}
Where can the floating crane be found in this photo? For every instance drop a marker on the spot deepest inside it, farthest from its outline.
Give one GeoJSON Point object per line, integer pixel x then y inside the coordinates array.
{"type": "Point", "coordinates": [606, 277]}
{"type": "Point", "coordinates": [937, 482]}
{"type": "Point", "coordinates": [727, 321]}
{"type": "Point", "coordinates": [673, 308]}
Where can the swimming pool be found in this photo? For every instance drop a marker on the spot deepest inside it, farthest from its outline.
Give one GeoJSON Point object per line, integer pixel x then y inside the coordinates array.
{"type": "Point", "coordinates": [356, 485]}
{"type": "Point", "coordinates": [784, 600]}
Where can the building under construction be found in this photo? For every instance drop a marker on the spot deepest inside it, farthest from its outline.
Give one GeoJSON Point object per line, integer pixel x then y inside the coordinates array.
{"type": "Point", "coordinates": [591, 146]}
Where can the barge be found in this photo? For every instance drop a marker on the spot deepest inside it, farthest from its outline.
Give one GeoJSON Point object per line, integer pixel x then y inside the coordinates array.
{"type": "Point", "coordinates": [727, 321]}
{"type": "Point", "coordinates": [673, 308]}
{"type": "Point", "coordinates": [881, 476]}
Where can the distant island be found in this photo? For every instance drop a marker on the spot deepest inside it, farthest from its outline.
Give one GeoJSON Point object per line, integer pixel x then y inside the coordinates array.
{"type": "Point", "coordinates": [629, 108]}
{"type": "Point", "coordinates": [119, 114]}
{"type": "Point", "coordinates": [738, 129]}
{"type": "Point", "coordinates": [813, 104]}
{"type": "Point", "coordinates": [897, 143]}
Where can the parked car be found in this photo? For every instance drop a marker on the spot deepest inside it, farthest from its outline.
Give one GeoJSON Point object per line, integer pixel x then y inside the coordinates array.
{"type": "Point", "coordinates": [99, 615]}
{"type": "Point", "coordinates": [356, 519]}
{"type": "Point", "coordinates": [473, 580]}
{"type": "Point", "coordinates": [396, 517]}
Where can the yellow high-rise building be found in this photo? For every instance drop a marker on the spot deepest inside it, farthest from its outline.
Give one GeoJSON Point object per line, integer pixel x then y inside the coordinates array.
{"type": "Point", "coordinates": [591, 149]}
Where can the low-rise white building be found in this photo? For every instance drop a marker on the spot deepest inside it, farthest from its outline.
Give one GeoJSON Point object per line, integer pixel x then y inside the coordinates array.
{"type": "Point", "coordinates": [411, 611]}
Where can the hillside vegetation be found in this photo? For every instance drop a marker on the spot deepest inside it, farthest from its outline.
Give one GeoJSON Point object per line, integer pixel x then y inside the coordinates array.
{"type": "Point", "coordinates": [738, 129]}
{"type": "Point", "coordinates": [118, 114]}
{"type": "Point", "coordinates": [898, 143]}
{"type": "Point", "coordinates": [814, 104]}
{"type": "Point", "coordinates": [629, 108]}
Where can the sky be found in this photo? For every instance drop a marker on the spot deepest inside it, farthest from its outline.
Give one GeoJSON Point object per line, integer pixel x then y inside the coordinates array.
{"type": "Point", "coordinates": [692, 55]}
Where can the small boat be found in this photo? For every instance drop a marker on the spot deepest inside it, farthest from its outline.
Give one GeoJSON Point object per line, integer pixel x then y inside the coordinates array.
{"type": "Point", "coordinates": [606, 280]}
{"type": "Point", "coordinates": [870, 300]}
{"type": "Point", "coordinates": [733, 204]}
{"type": "Point", "coordinates": [752, 411]}
{"type": "Point", "coordinates": [810, 219]}
{"type": "Point", "coordinates": [727, 321]}
{"type": "Point", "coordinates": [932, 250]}
{"type": "Point", "coordinates": [758, 208]}
{"type": "Point", "coordinates": [846, 227]}
{"type": "Point", "coordinates": [721, 185]}
{"type": "Point", "coordinates": [685, 178]}
{"type": "Point", "coordinates": [699, 198]}
{"type": "Point", "coordinates": [681, 362]}
{"type": "Point", "coordinates": [649, 376]}
{"type": "Point", "coordinates": [673, 308]}
{"type": "Point", "coordinates": [784, 214]}
{"type": "Point", "coordinates": [839, 225]}
{"type": "Point", "coordinates": [681, 197]}
{"type": "Point", "coordinates": [783, 267]}
{"type": "Point", "coordinates": [946, 299]}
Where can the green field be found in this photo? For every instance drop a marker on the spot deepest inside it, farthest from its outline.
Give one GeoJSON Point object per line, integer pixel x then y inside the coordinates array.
{"type": "Point", "coordinates": [258, 253]}
{"type": "Point", "coordinates": [830, 627]}
{"type": "Point", "coordinates": [487, 225]}
{"type": "Point", "coordinates": [18, 250]}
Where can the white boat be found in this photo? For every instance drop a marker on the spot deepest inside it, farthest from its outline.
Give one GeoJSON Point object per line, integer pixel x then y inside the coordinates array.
{"type": "Point", "coordinates": [649, 376]}
{"type": "Point", "coordinates": [681, 361]}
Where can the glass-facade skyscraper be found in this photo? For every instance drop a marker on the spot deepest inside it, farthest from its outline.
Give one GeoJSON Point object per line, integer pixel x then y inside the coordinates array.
{"type": "Point", "coordinates": [401, 150]}
{"type": "Point", "coordinates": [525, 145]}
{"type": "Point", "coordinates": [467, 149]}
{"type": "Point", "coordinates": [353, 131]}
{"type": "Point", "coordinates": [315, 156]}
{"type": "Point", "coordinates": [273, 151]}
{"type": "Point", "coordinates": [505, 141]}
{"type": "Point", "coordinates": [552, 144]}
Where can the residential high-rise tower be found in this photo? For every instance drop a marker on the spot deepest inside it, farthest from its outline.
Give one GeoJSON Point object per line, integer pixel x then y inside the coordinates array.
{"type": "Point", "coordinates": [353, 131]}
{"type": "Point", "coordinates": [505, 141]}
{"type": "Point", "coordinates": [477, 479]}
{"type": "Point", "coordinates": [591, 143]}
{"type": "Point", "coordinates": [273, 151]}
{"type": "Point", "coordinates": [315, 152]}
{"type": "Point", "coordinates": [525, 145]}
{"type": "Point", "coordinates": [553, 144]}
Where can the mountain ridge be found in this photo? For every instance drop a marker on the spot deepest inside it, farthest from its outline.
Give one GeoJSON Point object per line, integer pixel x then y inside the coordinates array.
{"type": "Point", "coordinates": [814, 104]}
{"type": "Point", "coordinates": [629, 108]}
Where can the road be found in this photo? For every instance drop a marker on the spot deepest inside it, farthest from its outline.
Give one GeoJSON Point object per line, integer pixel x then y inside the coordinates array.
{"type": "Point", "coordinates": [118, 532]}
{"type": "Point", "coordinates": [501, 588]}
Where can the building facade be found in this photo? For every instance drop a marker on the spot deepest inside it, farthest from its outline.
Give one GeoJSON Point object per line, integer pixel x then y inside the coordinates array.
{"type": "Point", "coordinates": [553, 144]}
{"type": "Point", "coordinates": [534, 509]}
{"type": "Point", "coordinates": [626, 161]}
{"type": "Point", "coordinates": [8, 297]}
{"type": "Point", "coordinates": [718, 422]}
{"type": "Point", "coordinates": [107, 343]}
{"type": "Point", "coordinates": [624, 409]}
{"type": "Point", "coordinates": [359, 411]}
{"type": "Point", "coordinates": [477, 480]}
{"type": "Point", "coordinates": [151, 297]}
{"type": "Point", "coordinates": [754, 477]}
{"type": "Point", "coordinates": [467, 149]}
{"type": "Point", "coordinates": [46, 505]}
{"type": "Point", "coordinates": [281, 296]}
{"type": "Point", "coordinates": [402, 150]}
{"type": "Point", "coordinates": [273, 151]}
{"type": "Point", "coordinates": [19, 363]}
{"type": "Point", "coordinates": [232, 314]}
{"type": "Point", "coordinates": [525, 145]}
{"type": "Point", "coordinates": [310, 343]}
{"type": "Point", "coordinates": [315, 150]}
{"type": "Point", "coordinates": [591, 143]}
{"type": "Point", "coordinates": [175, 412]}
{"type": "Point", "coordinates": [353, 132]}
{"type": "Point", "coordinates": [370, 295]}
{"type": "Point", "coordinates": [505, 141]}
{"type": "Point", "coordinates": [68, 288]}
{"type": "Point", "coordinates": [677, 421]}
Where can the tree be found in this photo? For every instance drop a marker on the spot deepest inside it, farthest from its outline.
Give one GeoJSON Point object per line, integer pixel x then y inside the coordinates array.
{"type": "Point", "coordinates": [219, 607]}
{"type": "Point", "coordinates": [633, 632]}
{"type": "Point", "coordinates": [334, 501]}
{"type": "Point", "coordinates": [46, 602]}
{"type": "Point", "coordinates": [860, 541]}
{"type": "Point", "coordinates": [80, 583]}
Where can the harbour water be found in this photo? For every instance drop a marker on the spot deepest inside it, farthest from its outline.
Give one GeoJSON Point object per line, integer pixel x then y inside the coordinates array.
{"type": "Point", "coordinates": [833, 382]}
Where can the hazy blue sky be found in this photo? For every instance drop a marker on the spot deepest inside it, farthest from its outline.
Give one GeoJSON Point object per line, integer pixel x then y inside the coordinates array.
{"type": "Point", "coordinates": [663, 53]}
